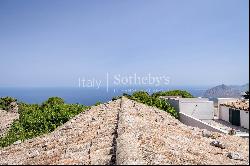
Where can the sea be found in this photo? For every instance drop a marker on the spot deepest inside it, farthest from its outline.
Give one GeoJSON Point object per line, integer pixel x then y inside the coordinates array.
{"type": "Point", "coordinates": [85, 96]}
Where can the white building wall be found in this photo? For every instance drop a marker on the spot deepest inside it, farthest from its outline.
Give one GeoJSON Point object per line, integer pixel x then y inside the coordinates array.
{"type": "Point", "coordinates": [224, 113]}
{"type": "Point", "coordinates": [219, 101]}
{"type": "Point", "coordinates": [193, 99]}
{"type": "Point", "coordinates": [198, 109]}
{"type": "Point", "coordinates": [244, 119]}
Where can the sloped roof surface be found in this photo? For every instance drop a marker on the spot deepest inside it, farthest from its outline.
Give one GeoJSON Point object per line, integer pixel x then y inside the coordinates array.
{"type": "Point", "coordinates": [239, 104]}
{"type": "Point", "coordinates": [125, 132]}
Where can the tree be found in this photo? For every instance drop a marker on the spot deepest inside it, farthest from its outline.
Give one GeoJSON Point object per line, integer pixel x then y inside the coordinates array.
{"type": "Point", "coordinates": [145, 98]}
{"type": "Point", "coordinates": [5, 102]}
{"type": "Point", "coordinates": [35, 119]}
{"type": "Point", "coordinates": [246, 95]}
{"type": "Point", "coordinates": [181, 93]}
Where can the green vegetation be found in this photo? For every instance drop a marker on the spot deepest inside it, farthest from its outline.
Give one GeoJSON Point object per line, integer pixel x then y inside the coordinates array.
{"type": "Point", "coordinates": [246, 96]}
{"type": "Point", "coordinates": [154, 100]}
{"type": "Point", "coordinates": [184, 94]}
{"type": "Point", "coordinates": [145, 98]}
{"type": "Point", "coordinates": [116, 98]}
{"type": "Point", "coordinates": [5, 102]}
{"type": "Point", "coordinates": [98, 103]}
{"type": "Point", "coordinates": [53, 101]}
{"type": "Point", "coordinates": [35, 120]}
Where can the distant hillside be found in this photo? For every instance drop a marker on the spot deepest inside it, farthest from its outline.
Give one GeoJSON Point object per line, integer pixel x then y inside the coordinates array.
{"type": "Point", "coordinates": [226, 91]}
{"type": "Point", "coordinates": [241, 88]}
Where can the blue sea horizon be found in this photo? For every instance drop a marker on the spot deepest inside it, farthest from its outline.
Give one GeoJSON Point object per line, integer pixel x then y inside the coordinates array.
{"type": "Point", "coordinates": [85, 96]}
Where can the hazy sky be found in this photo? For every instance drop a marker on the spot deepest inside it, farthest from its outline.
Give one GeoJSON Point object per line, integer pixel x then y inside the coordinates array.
{"type": "Point", "coordinates": [53, 43]}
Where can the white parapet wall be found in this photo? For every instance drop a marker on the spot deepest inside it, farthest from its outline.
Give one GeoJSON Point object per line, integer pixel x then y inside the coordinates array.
{"type": "Point", "coordinates": [219, 101]}
{"type": "Point", "coordinates": [194, 122]}
{"type": "Point", "coordinates": [224, 113]}
{"type": "Point", "coordinates": [244, 119]}
{"type": "Point", "coordinates": [200, 108]}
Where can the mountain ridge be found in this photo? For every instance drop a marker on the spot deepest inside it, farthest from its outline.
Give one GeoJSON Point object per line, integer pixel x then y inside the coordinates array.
{"type": "Point", "coordinates": [226, 91]}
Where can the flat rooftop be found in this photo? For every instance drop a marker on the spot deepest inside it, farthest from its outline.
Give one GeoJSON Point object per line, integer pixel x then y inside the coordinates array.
{"type": "Point", "coordinates": [226, 126]}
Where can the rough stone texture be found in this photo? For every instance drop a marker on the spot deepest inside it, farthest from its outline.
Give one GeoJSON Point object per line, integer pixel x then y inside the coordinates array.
{"type": "Point", "coordinates": [13, 107]}
{"type": "Point", "coordinates": [161, 139]}
{"type": "Point", "coordinates": [128, 145]}
{"type": "Point", "coordinates": [218, 144]}
{"type": "Point", "coordinates": [235, 156]}
{"type": "Point", "coordinates": [126, 132]}
{"type": "Point", "coordinates": [6, 119]}
{"type": "Point", "coordinates": [86, 139]}
{"type": "Point", "coordinates": [239, 104]}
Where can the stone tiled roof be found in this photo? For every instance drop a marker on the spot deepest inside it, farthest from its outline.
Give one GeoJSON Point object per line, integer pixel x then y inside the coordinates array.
{"type": "Point", "coordinates": [126, 132]}
{"type": "Point", "coordinates": [239, 104]}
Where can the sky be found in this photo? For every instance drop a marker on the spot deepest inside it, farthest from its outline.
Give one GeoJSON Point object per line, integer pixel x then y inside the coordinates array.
{"type": "Point", "coordinates": [54, 43]}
